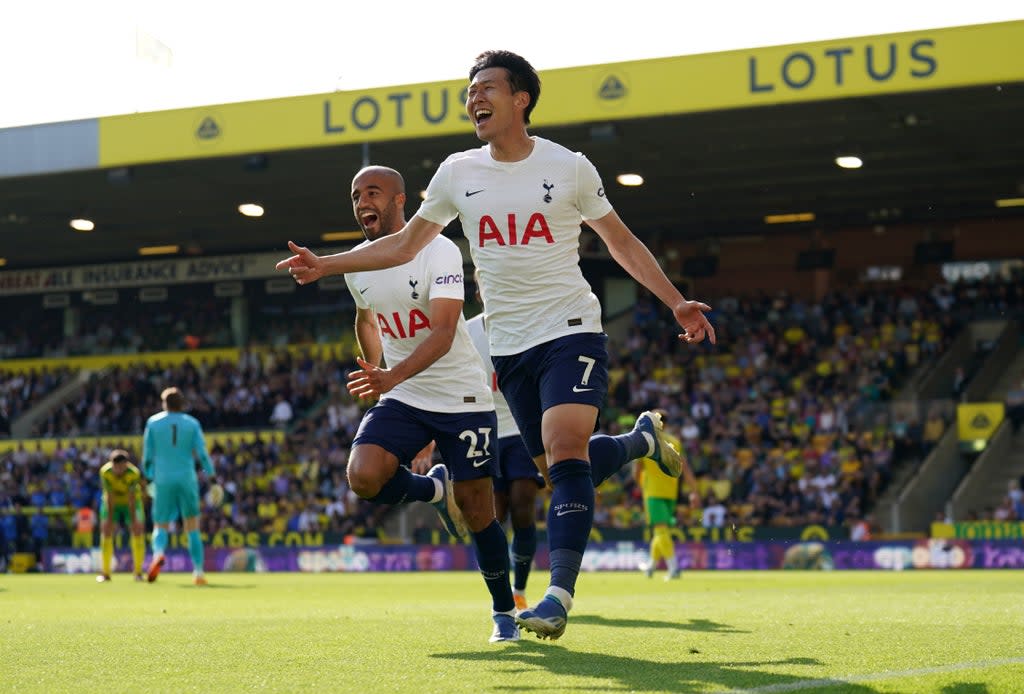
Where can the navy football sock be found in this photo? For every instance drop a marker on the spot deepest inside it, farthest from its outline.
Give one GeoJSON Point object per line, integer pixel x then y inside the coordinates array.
{"type": "Point", "coordinates": [404, 487]}
{"type": "Point", "coordinates": [524, 546]}
{"type": "Point", "coordinates": [570, 518]}
{"type": "Point", "coordinates": [491, 548]}
{"type": "Point", "coordinates": [609, 453]}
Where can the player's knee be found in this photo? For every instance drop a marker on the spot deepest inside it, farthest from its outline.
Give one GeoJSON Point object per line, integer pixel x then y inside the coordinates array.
{"type": "Point", "coordinates": [477, 517]}
{"type": "Point", "coordinates": [522, 516]}
{"type": "Point", "coordinates": [477, 506]}
{"type": "Point", "coordinates": [524, 498]}
{"type": "Point", "coordinates": [566, 444]}
{"type": "Point", "coordinates": [365, 480]}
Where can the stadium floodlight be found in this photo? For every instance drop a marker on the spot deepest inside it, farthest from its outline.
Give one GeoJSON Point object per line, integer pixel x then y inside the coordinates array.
{"type": "Point", "coordinates": [789, 218]}
{"type": "Point", "coordinates": [849, 161]}
{"type": "Point", "coordinates": [82, 224]}
{"type": "Point", "coordinates": [251, 209]}
{"type": "Point", "coordinates": [630, 179]}
{"type": "Point", "coordinates": [158, 250]}
{"type": "Point", "coordinates": [1010, 202]}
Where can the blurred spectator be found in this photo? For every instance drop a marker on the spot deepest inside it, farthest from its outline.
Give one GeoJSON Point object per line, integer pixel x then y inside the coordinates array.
{"type": "Point", "coordinates": [934, 428]}
{"type": "Point", "coordinates": [282, 415]}
{"type": "Point", "coordinates": [85, 524]}
{"type": "Point", "coordinates": [959, 383]}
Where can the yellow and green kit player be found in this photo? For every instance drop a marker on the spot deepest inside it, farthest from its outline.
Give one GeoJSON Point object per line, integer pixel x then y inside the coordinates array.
{"type": "Point", "coordinates": [660, 494]}
{"type": "Point", "coordinates": [121, 503]}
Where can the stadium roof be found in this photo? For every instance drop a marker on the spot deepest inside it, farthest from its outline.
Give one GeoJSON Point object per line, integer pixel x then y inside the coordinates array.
{"type": "Point", "coordinates": [721, 140]}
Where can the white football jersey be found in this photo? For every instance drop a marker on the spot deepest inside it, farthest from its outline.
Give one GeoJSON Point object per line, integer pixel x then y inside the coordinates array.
{"type": "Point", "coordinates": [523, 220]}
{"type": "Point", "coordinates": [478, 334]}
{"type": "Point", "coordinates": [400, 298]}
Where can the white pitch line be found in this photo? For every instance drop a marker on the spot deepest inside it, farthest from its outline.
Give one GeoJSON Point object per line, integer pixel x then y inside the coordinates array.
{"type": "Point", "coordinates": [873, 676]}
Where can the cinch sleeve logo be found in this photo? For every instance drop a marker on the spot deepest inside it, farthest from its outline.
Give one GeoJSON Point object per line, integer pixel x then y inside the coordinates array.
{"type": "Point", "coordinates": [449, 279]}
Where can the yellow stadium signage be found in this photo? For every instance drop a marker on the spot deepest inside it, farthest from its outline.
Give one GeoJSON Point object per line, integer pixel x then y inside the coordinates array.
{"type": "Point", "coordinates": [842, 68]}
{"type": "Point", "coordinates": [978, 421]}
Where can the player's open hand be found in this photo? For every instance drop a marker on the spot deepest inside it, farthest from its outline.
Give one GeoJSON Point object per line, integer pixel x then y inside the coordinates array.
{"type": "Point", "coordinates": [304, 267]}
{"type": "Point", "coordinates": [370, 380]}
{"type": "Point", "coordinates": [690, 315]}
{"type": "Point", "coordinates": [421, 463]}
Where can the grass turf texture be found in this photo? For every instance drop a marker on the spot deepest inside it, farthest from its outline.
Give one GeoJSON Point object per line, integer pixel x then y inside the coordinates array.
{"type": "Point", "coordinates": [949, 632]}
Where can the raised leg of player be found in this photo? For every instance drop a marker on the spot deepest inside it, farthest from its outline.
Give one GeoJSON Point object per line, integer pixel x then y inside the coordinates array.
{"type": "Point", "coordinates": [374, 474]}
{"type": "Point", "coordinates": [475, 499]}
{"type": "Point", "coordinates": [609, 454]}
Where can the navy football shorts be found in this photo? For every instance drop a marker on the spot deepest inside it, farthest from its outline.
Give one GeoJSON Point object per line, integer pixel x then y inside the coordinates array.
{"type": "Point", "coordinates": [465, 440]}
{"type": "Point", "coordinates": [515, 463]}
{"type": "Point", "coordinates": [570, 369]}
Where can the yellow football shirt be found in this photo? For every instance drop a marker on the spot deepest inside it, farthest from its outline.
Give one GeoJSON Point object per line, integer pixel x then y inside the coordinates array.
{"type": "Point", "coordinates": [118, 487]}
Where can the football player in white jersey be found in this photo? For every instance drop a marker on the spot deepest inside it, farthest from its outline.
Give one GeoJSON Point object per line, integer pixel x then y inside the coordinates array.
{"type": "Point", "coordinates": [521, 200]}
{"type": "Point", "coordinates": [432, 389]}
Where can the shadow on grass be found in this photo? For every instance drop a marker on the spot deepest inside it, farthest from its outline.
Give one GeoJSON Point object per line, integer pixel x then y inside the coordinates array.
{"type": "Point", "coordinates": [965, 688]}
{"type": "Point", "coordinates": [702, 625]}
{"type": "Point", "coordinates": [638, 675]}
{"type": "Point", "coordinates": [217, 586]}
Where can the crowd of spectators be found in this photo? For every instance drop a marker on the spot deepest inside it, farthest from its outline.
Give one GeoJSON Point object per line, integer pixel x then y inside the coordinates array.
{"type": "Point", "coordinates": [264, 387]}
{"type": "Point", "coordinates": [786, 421]}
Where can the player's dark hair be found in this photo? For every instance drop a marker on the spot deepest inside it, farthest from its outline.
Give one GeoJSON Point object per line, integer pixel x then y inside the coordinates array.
{"type": "Point", "coordinates": [173, 399]}
{"type": "Point", "coordinates": [521, 74]}
{"type": "Point", "coordinates": [119, 456]}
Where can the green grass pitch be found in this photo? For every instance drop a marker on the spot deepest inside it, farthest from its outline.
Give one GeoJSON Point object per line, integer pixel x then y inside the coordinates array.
{"type": "Point", "coordinates": [948, 632]}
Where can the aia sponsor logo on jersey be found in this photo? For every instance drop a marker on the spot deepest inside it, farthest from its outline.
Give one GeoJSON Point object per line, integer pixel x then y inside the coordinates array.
{"type": "Point", "coordinates": [395, 328]}
{"type": "Point", "coordinates": [536, 228]}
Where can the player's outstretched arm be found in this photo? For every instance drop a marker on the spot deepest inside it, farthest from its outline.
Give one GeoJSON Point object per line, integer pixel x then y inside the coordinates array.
{"type": "Point", "coordinates": [392, 250]}
{"type": "Point", "coordinates": [636, 259]}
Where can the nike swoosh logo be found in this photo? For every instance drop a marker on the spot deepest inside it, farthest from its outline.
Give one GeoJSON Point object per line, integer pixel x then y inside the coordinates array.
{"type": "Point", "coordinates": [571, 510]}
{"type": "Point", "coordinates": [471, 194]}
{"type": "Point", "coordinates": [363, 291]}
{"type": "Point", "coordinates": [482, 462]}
{"type": "Point", "coordinates": [577, 389]}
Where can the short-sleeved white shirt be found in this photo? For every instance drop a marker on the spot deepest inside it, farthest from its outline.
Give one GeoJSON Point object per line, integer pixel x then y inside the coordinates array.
{"type": "Point", "coordinates": [400, 298]}
{"type": "Point", "coordinates": [478, 334]}
{"type": "Point", "coordinates": [523, 220]}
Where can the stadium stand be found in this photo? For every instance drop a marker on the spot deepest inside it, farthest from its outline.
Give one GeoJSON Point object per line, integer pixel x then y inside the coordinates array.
{"type": "Point", "coordinates": [790, 421]}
